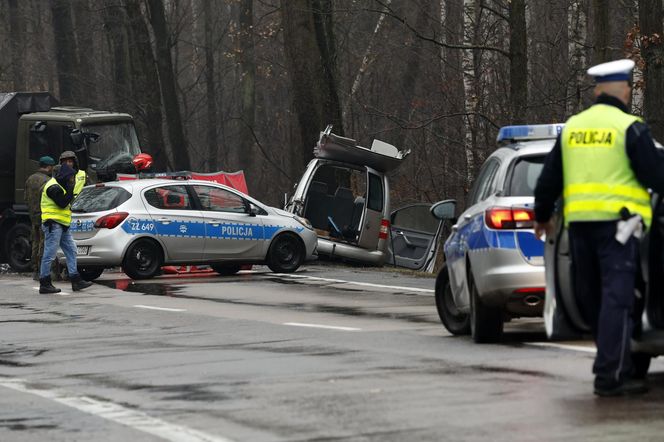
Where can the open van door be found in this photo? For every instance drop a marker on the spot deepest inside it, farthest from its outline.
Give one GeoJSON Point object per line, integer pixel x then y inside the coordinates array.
{"type": "Point", "coordinates": [415, 233]}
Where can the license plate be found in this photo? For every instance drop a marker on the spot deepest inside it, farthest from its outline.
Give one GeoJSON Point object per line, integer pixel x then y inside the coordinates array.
{"type": "Point", "coordinates": [82, 250]}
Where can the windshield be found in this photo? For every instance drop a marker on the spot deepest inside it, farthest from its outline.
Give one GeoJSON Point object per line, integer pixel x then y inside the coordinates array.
{"type": "Point", "coordinates": [525, 174]}
{"type": "Point", "coordinates": [117, 143]}
{"type": "Point", "coordinates": [99, 199]}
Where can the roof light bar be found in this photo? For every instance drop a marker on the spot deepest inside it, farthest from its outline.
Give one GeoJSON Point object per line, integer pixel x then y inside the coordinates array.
{"type": "Point", "coordinates": [529, 132]}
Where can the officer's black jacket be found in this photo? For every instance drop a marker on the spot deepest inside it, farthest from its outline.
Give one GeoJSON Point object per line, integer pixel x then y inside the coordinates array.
{"type": "Point", "coordinates": [646, 161]}
{"type": "Point", "coordinates": [62, 197]}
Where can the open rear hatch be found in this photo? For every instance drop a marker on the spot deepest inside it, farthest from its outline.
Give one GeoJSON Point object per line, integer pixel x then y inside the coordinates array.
{"type": "Point", "coordinates": [382, 157]}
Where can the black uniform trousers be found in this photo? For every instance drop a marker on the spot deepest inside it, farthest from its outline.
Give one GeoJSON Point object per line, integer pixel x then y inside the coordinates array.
{"type": "Point", "coordinates": [604, 273]}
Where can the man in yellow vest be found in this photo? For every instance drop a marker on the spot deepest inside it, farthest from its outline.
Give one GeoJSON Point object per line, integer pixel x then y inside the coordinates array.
{"type": "Point", "coordinates": [56, 217]}
{"type": "Point", "coordinates": [603, 163]}
{"type": "Point", "coordinates": [68, 157]}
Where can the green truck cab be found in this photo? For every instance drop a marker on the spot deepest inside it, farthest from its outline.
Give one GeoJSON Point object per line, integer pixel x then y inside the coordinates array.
{"type": "Point", "coordinates": [33, 125]}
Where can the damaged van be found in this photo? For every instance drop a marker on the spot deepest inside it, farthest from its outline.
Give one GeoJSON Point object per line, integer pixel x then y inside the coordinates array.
{"type": "Point", "coordinates": [345, 194]}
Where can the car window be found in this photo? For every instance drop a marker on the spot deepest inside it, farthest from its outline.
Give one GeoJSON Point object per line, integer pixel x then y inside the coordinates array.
{"type": "Point", "coordinates": [489, 186]}
{"type": "Point", "coordinates": [483, 181]}
{"type": "Point", "coordinates": [169, 198]}
{"type": "Point", "coordinates": [417, 218]}
{"type": "Point", "coordinates": [219, 200]}
{"type": "Point", "coordinates": [99, 199]}
{"type": "Point", "coordinates": [524, 175]}
{"type": "Point", "coordinates": [375, 193]}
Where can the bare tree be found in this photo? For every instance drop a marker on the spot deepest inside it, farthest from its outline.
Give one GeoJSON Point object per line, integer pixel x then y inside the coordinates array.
{"type": "Point", "coordinates": [652, 32]}
{"type": "Point", "coordinates": [66, 51]}
{"type": "Point", "coordinates": [168, 86]}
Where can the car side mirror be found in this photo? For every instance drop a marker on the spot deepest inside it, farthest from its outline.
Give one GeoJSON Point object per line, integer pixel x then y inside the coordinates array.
{"type": "Point", "coordinates": [252, 210]}
{"type": "Point", "coordinates": [444, 210]}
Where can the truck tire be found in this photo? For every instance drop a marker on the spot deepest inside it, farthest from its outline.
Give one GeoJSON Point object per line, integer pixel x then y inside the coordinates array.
{"type": "Point", "coordinates": [18, 248]}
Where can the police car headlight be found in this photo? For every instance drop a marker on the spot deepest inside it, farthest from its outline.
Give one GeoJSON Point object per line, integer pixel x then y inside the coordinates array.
{"type": "Point", "coordinates": [305, 222]}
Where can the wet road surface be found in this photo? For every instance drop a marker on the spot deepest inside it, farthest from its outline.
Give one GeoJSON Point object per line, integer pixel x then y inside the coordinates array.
{"type": "Point", "coordinates": [328, 354]}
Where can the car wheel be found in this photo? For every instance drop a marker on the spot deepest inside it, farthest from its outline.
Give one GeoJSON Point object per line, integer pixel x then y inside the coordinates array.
{"type": "Point", "coordinates": [641, 363]}
{"type": "Point", "coordinates": [18, 248]}
{"type": "Point", "coordinates": [286, 253]}
{"type": "Point", "coordinates": [486, 323]}
{"type": "Point", "coordinates": [90, 273]}
{"type": "Point", "coordinates": [225, 269]}
{"type": "Point", "coordinates": [455, 321]}
{"type": "Point", "coordinates": [143, 259]}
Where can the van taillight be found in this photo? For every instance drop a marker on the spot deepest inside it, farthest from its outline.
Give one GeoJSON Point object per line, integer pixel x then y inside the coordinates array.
{"type": "Point", "coordinates": [111, 221]}
{"type": "Point", "coordinates": [509, 218]}
{"type": "Point", "coordinates": [384, 229]}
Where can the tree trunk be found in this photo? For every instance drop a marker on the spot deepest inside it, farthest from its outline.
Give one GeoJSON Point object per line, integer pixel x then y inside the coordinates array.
{"type": "Point", "coordinates": [650, 21]}
{"type": "Point", "coordinates": [247, 84]}
{"type": "Point", "coordinates": [115, 27]}
{"type": "Point", "coordinates": [16, 30]}
{"type": "Point", "coordinates": [213, 122]}
{"type": "Point", "coordinates": [469, 64]}
{"type": "Point", "coordinates": [86, 76]}
{"type": "Point", "coordinates": [167, 83]}
{"type": "Point", "coordinates": [578, 34]}
{"type": "Point", "coordinates": [518, 61]}
{"type": "Point", "coordinates": [145, 81]}
{"type": "Point", "coordinates": [310, 72]}
{"type": "Point", "coordinates": [65, 48]}
{"type": "Point", "coordinates": [602, 31]}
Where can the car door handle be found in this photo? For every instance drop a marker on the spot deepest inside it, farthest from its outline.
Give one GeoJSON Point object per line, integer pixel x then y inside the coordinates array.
{"type": "Point", "coordinates": [467, 216]}
{"type": "Point", "coordinates": [164, 220]}
{"type": "Point", "coordinates": [405, 239]}
{"type": "Point", "coordinates": [214, 222]}
{"type": "Point", "coordinates": [455, 228]}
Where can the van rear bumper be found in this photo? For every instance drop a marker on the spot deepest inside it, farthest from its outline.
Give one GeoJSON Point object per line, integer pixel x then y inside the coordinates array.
{"type": "Point", "coordinates": [347, 251]}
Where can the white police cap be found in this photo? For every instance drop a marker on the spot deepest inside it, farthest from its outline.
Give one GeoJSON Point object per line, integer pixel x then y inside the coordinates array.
{"type": "Point", "coordinates": [619, 70]}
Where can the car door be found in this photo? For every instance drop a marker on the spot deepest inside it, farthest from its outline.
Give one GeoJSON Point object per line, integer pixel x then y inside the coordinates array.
{"type": "Point", "coordinates": [372, 218]}
{"type": "Point", "coordinates": [179, 226]}
{"type": "Point", "coordinates": [232, 232]}
{"type": "Point", "coordinates": [414, 232]}
{"type": "Point", "coordinates": [469, 225]}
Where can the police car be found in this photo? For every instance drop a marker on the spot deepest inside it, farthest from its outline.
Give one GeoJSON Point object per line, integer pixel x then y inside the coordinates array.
{"type": "Point", "coordinates": [494, 268]}
{"type": "Point", "coordinates": [144, 224]}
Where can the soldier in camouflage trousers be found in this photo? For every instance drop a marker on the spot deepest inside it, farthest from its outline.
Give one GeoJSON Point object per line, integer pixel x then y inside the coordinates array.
{"type": "Point", "coordinates": [33, 190]}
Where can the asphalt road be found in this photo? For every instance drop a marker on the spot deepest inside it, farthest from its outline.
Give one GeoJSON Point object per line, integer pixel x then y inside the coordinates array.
{"type": "Point", "coordinates": [327, 354]}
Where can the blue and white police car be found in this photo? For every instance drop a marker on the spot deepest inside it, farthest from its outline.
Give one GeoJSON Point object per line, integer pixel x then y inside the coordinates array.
{"type": "Point", "coordinates": [144, 224]}
{"type": "Point", "coordinates": [494, 268]}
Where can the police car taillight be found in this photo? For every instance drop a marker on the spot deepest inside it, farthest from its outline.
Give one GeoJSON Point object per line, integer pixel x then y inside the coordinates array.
{"type": "Point", "coordinates": [509, 218]}
{"type": "Point", "coordinates": [111, 221]}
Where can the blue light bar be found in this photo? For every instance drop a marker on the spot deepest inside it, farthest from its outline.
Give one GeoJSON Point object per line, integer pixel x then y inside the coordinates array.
{"type": "Point", "coordinates": [529, 132]}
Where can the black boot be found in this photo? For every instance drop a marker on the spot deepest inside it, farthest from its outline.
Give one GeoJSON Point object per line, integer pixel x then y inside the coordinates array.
{"type": "Point", "coordinates": [45, 286]}
{"type": "Point", "coordinates": [78, 283]}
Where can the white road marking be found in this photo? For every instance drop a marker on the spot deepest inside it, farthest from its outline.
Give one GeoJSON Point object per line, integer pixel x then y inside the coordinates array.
{"type": "Point", "coordinates": [580, 348]}
{"type": "Point", "coordinates": [365, 284]}
{"type": "Point", "coordinates": [331, 327]}
{"type": "Point", "coordinates": [116, 413]}
{"type": "Point", "coordinates": [165, 309]}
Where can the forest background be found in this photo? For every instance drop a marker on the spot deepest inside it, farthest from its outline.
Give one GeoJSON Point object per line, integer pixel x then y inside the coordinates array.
{"type": "Point", "coordinates": [248, 84]}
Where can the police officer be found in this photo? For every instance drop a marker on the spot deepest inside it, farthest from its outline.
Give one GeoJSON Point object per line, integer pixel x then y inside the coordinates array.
{"type": "Point", "coordinates": [603, 163]}
{"type": "Point", "coordinates": [68, 157]}
{"type": "Point", "coordinates": [33, 189]}
{"type": "Point", "coordinates": [56, 217]}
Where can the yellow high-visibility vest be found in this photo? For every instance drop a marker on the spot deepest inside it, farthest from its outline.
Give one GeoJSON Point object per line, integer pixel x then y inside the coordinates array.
{"type": "Point", "coordinates": [50, 210]}
{"type": "Point", "coordinates": [598, 178]}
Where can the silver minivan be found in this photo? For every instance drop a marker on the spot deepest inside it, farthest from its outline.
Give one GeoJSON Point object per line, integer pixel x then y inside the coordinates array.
{"type": "Point", "coordinates": [345, 194]}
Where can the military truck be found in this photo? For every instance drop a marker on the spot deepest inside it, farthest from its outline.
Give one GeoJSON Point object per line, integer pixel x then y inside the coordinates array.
{"type": "Point", "coordinates": [32, 124]}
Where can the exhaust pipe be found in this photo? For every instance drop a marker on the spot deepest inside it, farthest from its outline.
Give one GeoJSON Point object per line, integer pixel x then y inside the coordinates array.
{"type": "Point", "coordinates": [532, 300]}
